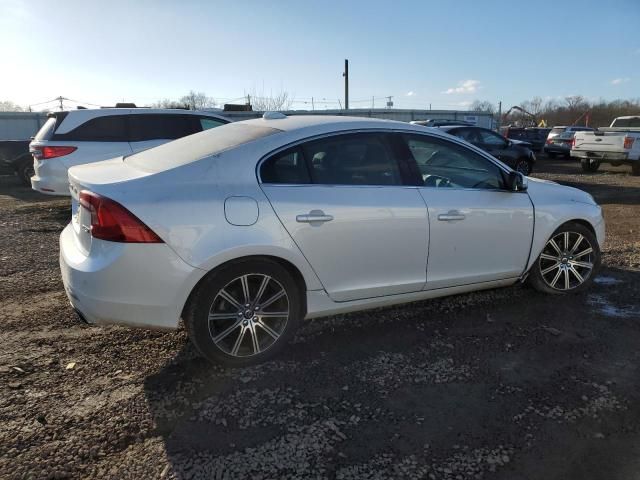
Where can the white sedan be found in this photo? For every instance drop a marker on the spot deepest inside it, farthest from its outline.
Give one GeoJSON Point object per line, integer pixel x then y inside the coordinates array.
{"type": "Point", "coordinates": [245, 230]}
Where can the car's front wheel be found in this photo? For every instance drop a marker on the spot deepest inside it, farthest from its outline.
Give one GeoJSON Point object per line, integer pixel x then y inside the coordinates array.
{"type": "Point", "coordinates": [245, 312]}
{"type": "Point", "coordinates": [568, 262]}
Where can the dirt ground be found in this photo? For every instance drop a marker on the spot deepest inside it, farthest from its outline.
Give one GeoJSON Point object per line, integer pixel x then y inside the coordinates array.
{"type": "Point", "coordinates": [504, 384]}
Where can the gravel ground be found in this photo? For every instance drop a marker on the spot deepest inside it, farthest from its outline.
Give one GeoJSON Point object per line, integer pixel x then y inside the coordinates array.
{"type": "Point", "coordinates": [502, 384]}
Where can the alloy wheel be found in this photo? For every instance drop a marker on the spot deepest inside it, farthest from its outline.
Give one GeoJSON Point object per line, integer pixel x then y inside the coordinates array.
{"type": "Point", "coordinates": [248, 315]}
{"type": "Point", "coordinates": [567, 261]}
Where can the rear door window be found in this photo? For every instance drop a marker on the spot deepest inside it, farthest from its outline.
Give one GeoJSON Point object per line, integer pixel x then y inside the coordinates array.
{"type": "Point", "coordinates": [110, 128]}
{"type": "Point", "coordinates": [353, 159]}
{"type": "Point", "coordinates": [160, 126]}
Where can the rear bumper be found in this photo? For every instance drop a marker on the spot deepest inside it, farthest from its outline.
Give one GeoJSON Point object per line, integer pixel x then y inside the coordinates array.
{"type": "Point", "coordinates": [50, 177]}
{"type": "Point", "coordinates": [138, 285]}
{"type": "Point", "coordinates": [557, 149]}
{"type": "Point", "coordinates": [602, 156]}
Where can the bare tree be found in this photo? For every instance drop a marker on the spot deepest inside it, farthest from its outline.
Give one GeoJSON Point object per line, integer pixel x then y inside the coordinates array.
{"type": "Point", "coordinates": [198, 100]}
{"type": "Point", "coordinates": [574, 102]}
{"type": "Point", "coordinates": [9, 106]}
{"type": "Point", "coordinates": [277, 102]}
{"type": "Point", "coordinates": [483, 106]}
{"type": "Point", "coordinates": [167, 103]}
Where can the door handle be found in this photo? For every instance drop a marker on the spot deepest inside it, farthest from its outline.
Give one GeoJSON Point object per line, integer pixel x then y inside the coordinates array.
{"type": "Point", "coordinates": [451, 216]}
{"type": "Point", "coordinates": [314, 216]}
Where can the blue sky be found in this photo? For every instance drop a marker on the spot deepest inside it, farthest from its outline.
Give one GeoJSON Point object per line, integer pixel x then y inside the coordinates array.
{"type": "Point", "coordinates": [444, 53]}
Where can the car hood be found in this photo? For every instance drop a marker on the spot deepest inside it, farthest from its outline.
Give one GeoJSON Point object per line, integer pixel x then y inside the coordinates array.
{"type": "Point", "coordinates": [539, 189]}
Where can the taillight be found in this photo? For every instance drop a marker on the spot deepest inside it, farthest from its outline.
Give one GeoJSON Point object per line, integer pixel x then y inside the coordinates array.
{"type": "Point", "coordinates": [572, 143]}
{"type": "Point", "coordinates": [549, 141]}
{"type": "Point", "coordinates": [45, 153]}
{"type": "Point", "coordinates": [628, 142]}
{"type": "Point", "coordinates": [111, 221]}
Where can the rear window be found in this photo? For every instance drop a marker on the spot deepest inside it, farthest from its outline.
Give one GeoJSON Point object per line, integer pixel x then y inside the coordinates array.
{"type": "Point", "coordinates": [190, 149]}
{"type": "Point", "coordinates": [626, 122]}
{"type": "Point", "coordinates": [46, 131]}
{"type": "Point", "coordinates": [557, 130]}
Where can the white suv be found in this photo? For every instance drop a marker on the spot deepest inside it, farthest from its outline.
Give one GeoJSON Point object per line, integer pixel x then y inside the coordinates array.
{"type": "Point", "coordinates": [86, 136]}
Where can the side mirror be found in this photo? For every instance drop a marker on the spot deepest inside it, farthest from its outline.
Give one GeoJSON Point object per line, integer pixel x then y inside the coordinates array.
{"type": "Point", "coordinates": [517, 182]}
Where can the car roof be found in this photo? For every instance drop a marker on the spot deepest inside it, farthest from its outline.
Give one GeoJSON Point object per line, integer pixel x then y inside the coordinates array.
{"type": "Point", "coordinates": [446, 128]}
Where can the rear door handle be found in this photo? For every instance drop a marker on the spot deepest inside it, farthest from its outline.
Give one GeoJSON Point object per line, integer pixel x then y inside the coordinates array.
{"type": "Point", "coordinates": [451, 216]}
{"type": "Point", "coordinates": [314, 216]}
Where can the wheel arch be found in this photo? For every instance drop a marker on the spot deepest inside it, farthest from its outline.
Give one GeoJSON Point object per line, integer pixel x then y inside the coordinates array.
{"type": "Point", "coordinates": [286, 264]}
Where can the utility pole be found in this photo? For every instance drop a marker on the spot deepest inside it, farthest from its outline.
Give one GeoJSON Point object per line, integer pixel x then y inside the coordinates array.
{"type": "Point", "coordinates": [389, 102]}
{"type": "Point", "coordinates": [60, 98]}
{"type": "Point", "coordinates": [345, 74]}
{"type": "Point", "coordinates": [499, 115]}
{"type": "Point", "coordinates": [313, 107]}
{"type": "Point", "coordinates": [248, 99]}
{"type": "Point", "coordinates": [429, 106]}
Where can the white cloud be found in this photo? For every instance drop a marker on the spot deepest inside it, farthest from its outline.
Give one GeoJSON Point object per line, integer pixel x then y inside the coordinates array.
{"type": "Point", "coordinates": [411, 93]}
{"type": "Point", "coordinates": [465, 86]}
{"type": "Point", "coordinates": [618, 81]}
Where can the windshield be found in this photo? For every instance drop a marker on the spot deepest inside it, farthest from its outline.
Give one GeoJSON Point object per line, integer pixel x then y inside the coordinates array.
{"type": "Point", "coordinates": [194, 147]}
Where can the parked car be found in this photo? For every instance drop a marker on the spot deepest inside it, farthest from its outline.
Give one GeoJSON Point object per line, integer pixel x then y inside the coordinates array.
{"type": "Point", "coordinates": [15, 155]}
{"type": "Point", "coordinates": [274, 220]}
{"type": "Point", "coordinates": [559, 145]}
{"type": "Point", "coordinates": [536, 136]}
{"type": "Point", "coordinates": [516, 154]}
{"type": "Point", "coordinates": [618, 144]}
{"type": "Point", "coordinates": [439, 122]}
{"type": "Point", "coordinates": [559, 130]}
{"type": "Point", "coordinates": [86, 136]}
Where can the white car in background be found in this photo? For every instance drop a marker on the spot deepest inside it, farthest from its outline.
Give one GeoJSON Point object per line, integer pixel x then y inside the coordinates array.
{"type": "Point", "coordinates": [84, 136]}
{"type": "Point", "coordinates": [245, 230]}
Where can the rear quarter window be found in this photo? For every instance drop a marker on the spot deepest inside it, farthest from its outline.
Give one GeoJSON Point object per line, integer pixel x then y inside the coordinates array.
{"type": "Point", "coordinates": [110, 128]}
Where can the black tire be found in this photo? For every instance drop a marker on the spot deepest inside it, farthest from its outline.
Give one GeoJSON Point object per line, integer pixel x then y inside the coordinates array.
{"type": "Point", "coordinates": [25, 171]}
{"type": "Point", "coordinates": [206, 300]}
{"type": "Point", "coordinates": [542, 283]}
{"type": "Point", "coordinates": [551, 154]}
{"type": "Point", "coordinates": [589, 166]}
{"type": "Point", "coordinates": [523, 165]}
{"type": "Point", "coordinates": [635, 168]}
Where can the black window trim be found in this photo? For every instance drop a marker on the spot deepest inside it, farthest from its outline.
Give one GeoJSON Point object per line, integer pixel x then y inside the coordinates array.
{"type": "Point", "coordinates": [406, 175]}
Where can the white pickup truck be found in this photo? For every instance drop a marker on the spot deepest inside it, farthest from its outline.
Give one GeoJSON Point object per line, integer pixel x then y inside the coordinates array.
{"type": "Point", "coordinates": [618, 144]}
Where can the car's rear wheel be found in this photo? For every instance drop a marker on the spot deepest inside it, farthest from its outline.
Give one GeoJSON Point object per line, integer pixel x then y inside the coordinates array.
{"type": "Point", "coordinates": [245, 312]}
{"type": "Point", "coordinates": [589, 165]}
{"type": "Point", "coordinates": [25, 171]}
{"type": "Point", "coordinates": [568, 261]}
{"type": "Point", "coordinates": [635, 168]}
{"type": "Point", "coordinates": [523, 166]}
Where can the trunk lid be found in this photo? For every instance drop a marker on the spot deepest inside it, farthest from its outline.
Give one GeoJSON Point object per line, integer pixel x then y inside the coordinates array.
{"type": "Point", "coordinates": [96, 177]}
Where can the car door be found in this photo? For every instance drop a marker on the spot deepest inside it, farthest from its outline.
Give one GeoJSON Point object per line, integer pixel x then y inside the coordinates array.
{"type": "Point", "coordinates": [479, 231]}
{"type": "Point", "coordinates": [344, 201]}
{"type": "Point", "coordinates": [498, 146]}
{"type": "Point", "coordinates": [149, 130]}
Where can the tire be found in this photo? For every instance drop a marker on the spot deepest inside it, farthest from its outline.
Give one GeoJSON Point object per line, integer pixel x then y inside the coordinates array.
{"type": "Point", "coordinates": [551, 154]}
{"type": "Point", "coordinates": [25, 171]}
{"type": "Point", "coordinates": [559, 272]}
{"type": "Point", "coordinates": [635, 168]}
{"type": "Point", "coordinates": [523, 165]}
{"type": "Point", "coordinates": [566, 156]}
{"type": "Point", "coordinates": [240, 335]}
{"type": "Point", "coordinates": [589, 166]}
